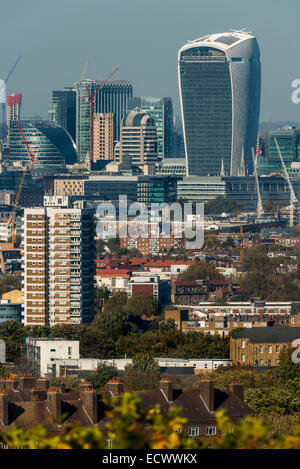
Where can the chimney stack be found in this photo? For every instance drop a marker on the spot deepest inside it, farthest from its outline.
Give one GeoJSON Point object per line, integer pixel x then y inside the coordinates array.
{"type": "Point", "coordinates": [166, 387]}
{"type": "Point", "coordinates": [38, 393]}
{"type": "Point", "coordinates": [26, 382]}
{"type": "Point", "coordinates": [6, 384]}
{"type": "Point", "coordinates": [237, 388]}
{"type": "Point", "coordinates": [82, 387]}
{"type": "Point", "coordinates": [207, 393]}
{"type": "Point", "coordinates": [115, 386]}
{"type": "Point", "coordinates": [54, 402]}
{"type": "Point", "coordinates": [89, 401]}
{"type": "Point", "coordinates": [43, 382]}
{"type": "Point", "coordinates": [3, 408]}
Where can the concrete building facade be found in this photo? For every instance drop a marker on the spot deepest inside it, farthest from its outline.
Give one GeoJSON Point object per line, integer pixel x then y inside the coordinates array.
{"type": "Point", "coordinates": [58, 257]}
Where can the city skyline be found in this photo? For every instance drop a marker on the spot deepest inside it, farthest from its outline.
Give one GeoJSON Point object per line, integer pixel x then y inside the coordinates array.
{"type": "Point", "coordinates": [105, 41]}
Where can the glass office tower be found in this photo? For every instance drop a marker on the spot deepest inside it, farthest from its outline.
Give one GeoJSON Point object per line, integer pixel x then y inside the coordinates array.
{"type": "Point", "coordinates": [62, 110]}
{"type": "Point", "coordinates": [219, 86]}
{"type": "Point", "coordinates": [161, 109]}
{"type": "Point", "coordinates": [112, 98]}
{"type": "Point", "coordinates": [50, 143]}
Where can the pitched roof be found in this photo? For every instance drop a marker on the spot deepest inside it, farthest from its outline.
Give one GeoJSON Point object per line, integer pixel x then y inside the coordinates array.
{"type": "Point", "coordinates": [269, 334]}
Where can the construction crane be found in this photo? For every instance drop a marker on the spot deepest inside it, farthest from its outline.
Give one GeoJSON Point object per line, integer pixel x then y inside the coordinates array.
{"type": "Point", "coordinates": [263, 137]}
{"type": "Point", "coordinates": [31, 154]}
{"type": "Point", "coordinates": [260, 208]}
{"type": "Point", "coordinates": [84, 71]}
{"type": "Point", "coordinates": [241, 243]}
{"type": "Point", "coordinates": [3, 91]}
{"type": "Point", "coordinates": [92, 104]}
{"type": "Point", "coordinates": [11, 220]}
{"type": "Point", "coordinates": [293, 198]}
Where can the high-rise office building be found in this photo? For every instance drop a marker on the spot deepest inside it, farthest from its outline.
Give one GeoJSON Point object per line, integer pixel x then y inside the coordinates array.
{"type": "Point", "coordinates": [13, 113]}
{"type": "Point", "coordinates": [219, 85]}
{"type": "Point", "coordinates": [162, 111]}
{"type": "Point", "coordinates": [58, 258]}
{"type": "Point", "coordinates": [103, 136]}
{"type": "Point", "coordinates": [62, 110]}
{"type": "Point", "coordinates": [288, 139]}
{"type": "Point", "coordinates": [138, 139]}
{"type": "Point", "coordinates": [14, 103]}
{"type": "Point", "coordinates": [50, 143]}
{"type": "Point", "coordinates": [112, 98]}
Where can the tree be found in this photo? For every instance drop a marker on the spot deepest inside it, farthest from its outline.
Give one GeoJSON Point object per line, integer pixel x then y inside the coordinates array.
{"type": "Point", "coordinates": [272, 400]}
{"type": "Point", "coordinates": [142, 304]}
{"type": "Point", "coordinates": [143, 373]}
{"type": "Point", "coordinates": [113, 324]}
{"type": "Point", "coordinates": [287, 370]}
{"type": "Point", "coordinates": [116, 303]}
{"type": "Point", "coordinates": [103, 374]}
{"type": "Point", "coordinates": [12, 333]}
{"type": "Point", "coordinates": [200, 271]}
{"type": "Point", "coordinates": [220, 205]}
{"type": "Point", "coordinates": [9, 283]}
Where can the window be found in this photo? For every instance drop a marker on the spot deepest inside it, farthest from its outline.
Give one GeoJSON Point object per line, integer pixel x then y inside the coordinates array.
{"type": "Point", "coordinates": [243, 343]}
{"type": "Point", "coordinates": [261, 349]}
{"type": "Point", "coordinates": [243, 358]}
{"type": "Point", "coordinates": [269, 362]}
{"type": "Point", "coordinates": [210, 430]}
{"type": "Point", "coordinates": [261, 362]}
{"type": "Point", "coordinates": [270, 349]}
{"type": "Point", "coordinates": [277, 348]}
{"type": "Point", "coordinates": [193, 431]}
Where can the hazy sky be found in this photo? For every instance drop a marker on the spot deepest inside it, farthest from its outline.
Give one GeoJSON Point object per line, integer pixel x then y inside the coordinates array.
{"type": "Point", "coordinates": [141, 37]}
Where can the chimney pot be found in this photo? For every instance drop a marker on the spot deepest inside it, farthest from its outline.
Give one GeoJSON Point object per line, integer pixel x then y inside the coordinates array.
{"type": "Point", "coordinates": [166, 386]}
{"type": "Point", "coordinates": [115, 386]}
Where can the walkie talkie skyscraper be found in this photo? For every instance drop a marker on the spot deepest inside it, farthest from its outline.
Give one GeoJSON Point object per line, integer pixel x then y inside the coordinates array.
{"type": "Point", "coordinates": [219, 87]}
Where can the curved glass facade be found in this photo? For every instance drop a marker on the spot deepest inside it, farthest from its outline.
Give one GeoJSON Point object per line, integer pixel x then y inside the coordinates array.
{"type": "Point", "coordinates": [219, 86]}
{"type": "Point", "coordinates": [50, 143]}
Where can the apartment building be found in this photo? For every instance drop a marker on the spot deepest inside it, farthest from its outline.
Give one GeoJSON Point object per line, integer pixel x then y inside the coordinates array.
{"type": "Point", "coordinates": [103, 136]}
{"type": "Point", "coordinates": [58, 260]}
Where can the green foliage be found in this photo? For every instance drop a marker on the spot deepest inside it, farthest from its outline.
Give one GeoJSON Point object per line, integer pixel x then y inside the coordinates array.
{"type": "Point", "coordinates": [288, 371]}
{"type": "Point", "coordinates": [142, 304]}
{"type": "Point", "coordinates": [3, 371]}
{"type": "Point", "coordinates": [116, 303]}
{"type": "Point", "coordinates": [200, 271]}
{"type": "Point", "coordinates": [103, 374]}
{"type": "Point", "coordinates": [272, 400]}
{"type": "Point", "coordinates": [12, 333]}
{"type": "Point", "coordinates": [8, 283]}
{"type": "Point", "coordinates": [220, 205]}
{"type": "Point", "coordinates": [113, 324]}
{"type": "Point", "coordinates": [269, 278]}
{"type": "Point", "coordinates": [69, 382]}
{"type": "Point", "coordinates": [143, 373]}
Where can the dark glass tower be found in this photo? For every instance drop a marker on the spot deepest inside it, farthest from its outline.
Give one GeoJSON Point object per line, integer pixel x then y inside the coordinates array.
{"type": "Point", "coordinates": [62, 110]}
{"type": "Point", "coordinates": [219, 86]}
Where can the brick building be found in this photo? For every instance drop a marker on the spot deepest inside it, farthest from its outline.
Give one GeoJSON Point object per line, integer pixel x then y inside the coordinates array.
{"type": "Point", "coordinates": [26, 402]}
{"type": "Point", "coordinates": [261, 346]}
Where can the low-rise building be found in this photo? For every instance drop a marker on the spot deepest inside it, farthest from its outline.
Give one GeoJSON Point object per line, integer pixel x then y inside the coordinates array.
{"type": "Point", "coordinates": [261, 346]}
{"type": "Point", "coordinates": [41, 353]}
